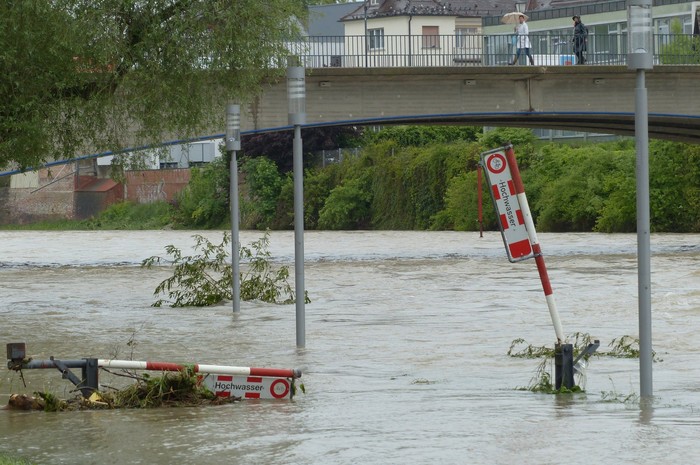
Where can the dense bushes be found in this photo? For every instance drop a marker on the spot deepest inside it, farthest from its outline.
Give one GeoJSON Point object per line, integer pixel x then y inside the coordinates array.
{"type": "Point", "coordinates": [401, 181]}
{"type": "Point", "coordinates": [204, 202]}
{"type": "Point", "coordinates": [591, 187]}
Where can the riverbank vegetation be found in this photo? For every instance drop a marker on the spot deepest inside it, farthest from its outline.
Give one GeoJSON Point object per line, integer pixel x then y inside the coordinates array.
{"type": "Point", "coordinates": [404, 180]}
{"type": "Point", "coordinates": [425, 178]}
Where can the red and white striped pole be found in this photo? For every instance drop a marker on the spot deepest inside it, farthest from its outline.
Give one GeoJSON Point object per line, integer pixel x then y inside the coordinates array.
{"type": "Point", "coordinates": [539, 259]}
{"type": "Point", "coordinates": [206, 369]}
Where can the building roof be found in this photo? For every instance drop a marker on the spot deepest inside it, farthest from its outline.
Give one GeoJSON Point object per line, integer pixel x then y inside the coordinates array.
{"type": "Point", "coordinates": [554, 9]}
{"type": "Point", "coordinates": [324, 20]}
{"type": "Point", "coordinates": [98, 185]}
{"type": "Point", "coordinates": [463, 8]}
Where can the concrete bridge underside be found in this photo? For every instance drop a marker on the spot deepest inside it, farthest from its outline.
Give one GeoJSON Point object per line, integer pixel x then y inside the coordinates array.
{"type": "Point", "coordinates": [578, 98]}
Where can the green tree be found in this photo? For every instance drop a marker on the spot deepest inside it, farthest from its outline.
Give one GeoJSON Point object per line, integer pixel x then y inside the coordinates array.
{"type": "Point", "coordinates": [568, 188]}
{"type": "Point", "coordinates": [461, 204]}
{"type": "Point", "coordinates": [420, 136]}
{"type": "Point", "coordinates": [347, 206]}
{"type": "Point", "coordinates": [204, 203]}
{"type": "Point", "coordinates": [205, 278]}
{"type": "Point", "coordinates": [94, 75]}
{"type": "Point", "coordinates": [263, 186]}
{"type": "Point", "coordinates": [680, 49]}
{"type": "Point", "coordinates": [674, 186]}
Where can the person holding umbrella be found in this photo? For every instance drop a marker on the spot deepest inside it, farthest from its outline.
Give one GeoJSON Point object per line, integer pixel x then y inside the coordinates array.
{"type": "Point", "coordinates": [523, 40]}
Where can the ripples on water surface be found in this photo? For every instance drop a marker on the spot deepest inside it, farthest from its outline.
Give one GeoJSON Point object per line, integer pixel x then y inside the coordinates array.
{"type": "Point", "coordinates": [407, 335]}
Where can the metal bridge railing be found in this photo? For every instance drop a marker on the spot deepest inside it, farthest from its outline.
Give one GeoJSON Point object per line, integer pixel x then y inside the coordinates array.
{"type": "Point", "coordinates": [548, 49]}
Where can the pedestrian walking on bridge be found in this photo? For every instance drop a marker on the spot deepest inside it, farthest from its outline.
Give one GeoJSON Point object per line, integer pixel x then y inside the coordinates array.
{"type": "Point", "coordinates": [580, 40]}
{"type": "Point", "coordinates": [523, 40]}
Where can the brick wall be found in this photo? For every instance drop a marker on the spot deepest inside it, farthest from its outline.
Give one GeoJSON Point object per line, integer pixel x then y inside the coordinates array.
{"type": "Point", "coordinates": [153, 185]}
{"type": "Point", "coordinates": [52, 199]}
{"type": "Point", "coordinates": [54, 196]}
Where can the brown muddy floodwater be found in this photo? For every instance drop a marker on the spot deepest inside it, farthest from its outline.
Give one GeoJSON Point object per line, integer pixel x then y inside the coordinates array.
{"type": "Point", "coordinates": [405, 358]}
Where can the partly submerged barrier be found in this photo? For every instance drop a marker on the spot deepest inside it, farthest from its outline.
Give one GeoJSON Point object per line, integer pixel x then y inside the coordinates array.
{"type": "Point", "coordinates": [520, 238]}
{"type": "Point", "coordinates": [222, 380]}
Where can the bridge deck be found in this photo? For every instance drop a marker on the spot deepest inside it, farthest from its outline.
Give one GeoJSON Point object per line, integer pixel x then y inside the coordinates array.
{"type": "Point", "coordinates": [578, 98]}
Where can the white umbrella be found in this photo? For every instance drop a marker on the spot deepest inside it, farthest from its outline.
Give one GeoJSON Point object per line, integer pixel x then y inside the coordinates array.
{"type": "Point", "coordinates": [512, 18]}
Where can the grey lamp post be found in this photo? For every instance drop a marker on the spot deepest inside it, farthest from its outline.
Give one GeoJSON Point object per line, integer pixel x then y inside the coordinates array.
{"type": "Point", "coordinates": [366, 38]}
{"type": "Point", "coordinates": [233, 144]}
{"type": "Point", "coordinates": [640, 58]}
{"type": "Point", "coordinates": [296, 93]}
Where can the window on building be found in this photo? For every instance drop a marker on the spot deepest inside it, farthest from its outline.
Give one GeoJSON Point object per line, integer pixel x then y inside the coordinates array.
{"type": "Point", "coordinates": [376, 38]}
{"type": "Point", "coordinates": [466, 37]}
{"type": "Point", "coordinates": [374, 2]}
{"type": "Point", "coordinates": [431, 37]}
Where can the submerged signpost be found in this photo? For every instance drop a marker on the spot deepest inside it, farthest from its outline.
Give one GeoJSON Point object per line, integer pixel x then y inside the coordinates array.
{"type": "Point", "coordinates": [222, 380]}
{"type": "Point", "coordinates": [520, 238]}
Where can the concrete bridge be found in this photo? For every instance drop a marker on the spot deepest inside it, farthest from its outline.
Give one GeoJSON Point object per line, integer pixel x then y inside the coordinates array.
{"type": "Point", "coordinates": [577, 98]}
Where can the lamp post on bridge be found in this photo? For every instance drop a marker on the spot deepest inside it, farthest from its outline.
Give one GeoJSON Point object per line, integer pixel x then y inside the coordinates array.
{"type": "Point", "coordinates": [365, 6]}
{"type": "Point", "coordinates": [296, 94]}
{"type": "Point", "coordinates": [640, 58]}
{"type": "Point", "coordinates": [233, 144]}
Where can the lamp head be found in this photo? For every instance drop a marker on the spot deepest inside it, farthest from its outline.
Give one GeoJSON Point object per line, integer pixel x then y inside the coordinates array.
{"type": "Point", "coordinates": [639, 34]}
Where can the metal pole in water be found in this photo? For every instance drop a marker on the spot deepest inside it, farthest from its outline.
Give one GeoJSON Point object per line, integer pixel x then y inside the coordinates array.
{"type": "Point", "coordinates": [479, 200]}
{"type": "Point", "coordinates": [233, 143]}
{"type": "Point", "coordinates": [296, 93]}
{"type": "Point", "coordinates": [640, 58]}
{"type": "Point", "coordinates": [643, 238]}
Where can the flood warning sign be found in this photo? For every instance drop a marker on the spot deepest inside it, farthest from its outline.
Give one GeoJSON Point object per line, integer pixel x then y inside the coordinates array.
{"type": "Point", "coordinates": [507, 205]}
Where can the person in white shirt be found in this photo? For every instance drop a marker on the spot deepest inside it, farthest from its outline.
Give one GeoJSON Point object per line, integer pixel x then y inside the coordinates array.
{"type": "Point", "coordinates": [523, 40]}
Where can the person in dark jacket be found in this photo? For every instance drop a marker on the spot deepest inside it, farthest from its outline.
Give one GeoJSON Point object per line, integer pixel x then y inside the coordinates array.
{"type": "Point", "coordinates": [580, 39]}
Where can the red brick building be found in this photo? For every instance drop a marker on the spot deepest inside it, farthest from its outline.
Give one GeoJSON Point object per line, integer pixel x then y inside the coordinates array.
{"type": "Point", "coordinates": [80, 191]}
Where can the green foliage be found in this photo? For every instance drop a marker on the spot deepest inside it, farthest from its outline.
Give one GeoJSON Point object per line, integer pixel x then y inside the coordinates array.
{"type": "Point", "coordinates": [204, 203]}
{"type": "Point", "coordinates": [461, 203]}
{"type": "Point", "coordinates": [205, 278]}
{"type": "Point", "coordinates": [568, 187]}
{"type": "Point", "coordinates": [41, 41]}
{"type": "Point", "coordinates": [347, 206]}
{"type": "Point", "coordinates": [129, 215]}
{"type": "Point", "coordinates": [541, 381]}
{"type": "Point", "coordinates": [627, 347]}
{"type": "Point", "coordinates": [409, 183]}
{"type": "Point", "coordinates": [102, 72]}
{"type": "Point", "coordinates": [123, 215]}
{"type": "Point", "coordinates": [623, 347]}
{"type": "Point", "coordinates": [51, 402]}
{"type": "Point", "coordinates": [589, 187]}
{"type": "Point", "coordinates": [196, 279]}
{"type": "Point", "coordinates": [528, 351]}
{"type": "Point", "coordinates": [616, 397]}
{"type": "Point", "coordinates": [318, 184]}
{"type": "Point", "coordinates": [521, 138]}
{"type": "Point", "coordinates": [7, 460]}
{"type": "Point", "coordinates": [170, 389]}
{"type": "Point", "coordinates": [263, 185]}
{"type": "Point", "coordinates": [421, 136]}
{"type": "Point", "coordinates": [674, 186]}
{"type": "Point", "coordinates": [681, 49]}
{"type": "Point", "coordinates": [261, 281]}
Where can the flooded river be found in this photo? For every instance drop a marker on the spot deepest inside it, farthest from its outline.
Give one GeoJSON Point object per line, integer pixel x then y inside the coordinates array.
{"type": "Point", "coordinates": [406, 359]}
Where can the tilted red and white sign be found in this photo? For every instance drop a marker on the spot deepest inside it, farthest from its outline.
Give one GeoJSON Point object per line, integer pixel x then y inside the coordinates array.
{"type": "Point", "coordinates": [249, 387]}
{"type": "Point", "coordinates": [507, 205]}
